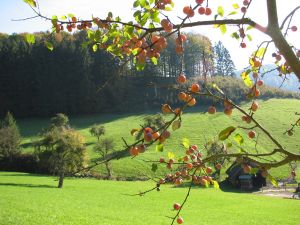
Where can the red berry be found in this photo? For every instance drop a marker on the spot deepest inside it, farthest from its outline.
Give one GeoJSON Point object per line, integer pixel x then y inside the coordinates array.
{"type": "Point", "coordinates": [243, 9]}
{"type": "Point", "coordinates": [246, 2]}
{"type": "Point", "coordinates": [201, 10]}
{"type": "Point", "coordinates": [260, 83]}
{"type": "Point", "coordinates": [208, 11]}
{"type": "Point", "coordinates": [251, 134]}
{"type": "Point", "coordinates": [176, 206]}
{"type": "Point", "coordinates": [181, 78]}
{"type": "Point", "coordinates": [294, 28]}
{"type": "Point", "coordinates": [179, 220]}
{"type": "Point", "coordinates": [199, 1]}
{"type": "Point", "coordinates": [243, 45]}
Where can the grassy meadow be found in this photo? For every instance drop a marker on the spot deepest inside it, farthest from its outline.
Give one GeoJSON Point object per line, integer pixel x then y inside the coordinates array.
{"type": "Point", "coordinates": [274, 114]}
{"type": "Point", "coordinates": [32, 199]}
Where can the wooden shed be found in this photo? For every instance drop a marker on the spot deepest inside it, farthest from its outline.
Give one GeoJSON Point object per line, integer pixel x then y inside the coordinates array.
{"type": "Point", "coordinates": [247, 182]}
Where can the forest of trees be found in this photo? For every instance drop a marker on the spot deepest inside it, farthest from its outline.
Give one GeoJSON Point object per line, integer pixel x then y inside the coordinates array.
{"type": "Point", "coordinates": [37, 82]}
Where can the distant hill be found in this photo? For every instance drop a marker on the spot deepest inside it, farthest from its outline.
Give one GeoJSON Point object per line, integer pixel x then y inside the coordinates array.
{"type": "Point", "coordinates": [274, 80]}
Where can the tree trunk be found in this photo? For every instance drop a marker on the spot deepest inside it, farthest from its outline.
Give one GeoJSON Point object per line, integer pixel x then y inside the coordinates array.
{"type": "Point", "coordinates": [108, 169]}
{"type": "Point", "coordinates": [61, 179]}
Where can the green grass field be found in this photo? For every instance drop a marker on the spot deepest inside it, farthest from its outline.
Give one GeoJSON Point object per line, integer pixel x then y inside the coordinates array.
{"type": "Point", "coordinates": [31, 199]}
{"type": "Point", "coordinates": [275, 114]}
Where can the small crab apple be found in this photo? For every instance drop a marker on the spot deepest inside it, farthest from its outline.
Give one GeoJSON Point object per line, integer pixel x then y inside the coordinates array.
{"type": "Point", "coordinates": [218, 166]}
{"type": "Point", "coordinates": [176, 206]}
{"type": "Point", "coordinates": [243, 9]}
{"type": "Point", "coordinates": [243, 45]}
{"type": "Point", "coordinates": [178, 181]}
{"type": "Point", "coordinates": [141, 148]}
{"type": "Point", "coordinates": [186, 158]}
{"type": "Point", "coordinates": [161, 160]}
{"type": "Point", "coordinates": [148, 137]}
{"type": "Point", "coordinates": [199, 1]}
{"type": "Point", "coordinates": [182, 96]}
{"type": "Point", "coordinates": [293, 173]}
{"type": "Point", "coordinates": [264, 173]}
{"type": "Point", "coordinates": [247, 168]}
{"type": "Point", "coordinates": [201, 10]}
{"type": "Point", "coordinates": [260, 83]}
{"type": "Point", "coordinates": [228, 111]}
{"type": "Point", "coordinates": [134, 151]}
{"type": "Point", "coordinates": [189, 166]}
{"type": "Point", "coordinates": [181, 79]}
{"type": "Point", "coordinates": [166, 134]}
{"type": "Point", "coordinates": [155, 135]}
{"type": "Point", "coordinates": [208, 170]}
{"type": "Point", "coordinates": [294, 28]}
{"type": "Point", "coordinates": [165, 108]}
{"type": "Point", "coordinates": [254, 106]}
{"type": "Point", "coordinates": [179, 220]}
{"type": "Point", "coordinates": [194, 147]}
{"type": "Point", "coordinates": [251, 134]}
{"type": "Point", "coordinates": [208, 11]}
{"type": "Point", "coordinates": [246, 2]}
{"type": "Point", "coordinates": [211, 110]}
{"type": "Point", "coordinates": [195, 88]}
{"type": "Point", "coordinates": [192, 102]}
{"type": "Point", "coordinates": [256, 92]}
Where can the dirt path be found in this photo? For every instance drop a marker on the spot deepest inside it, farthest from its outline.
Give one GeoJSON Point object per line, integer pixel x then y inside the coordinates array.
{"type": "Point", "coordinates": [280, 193]}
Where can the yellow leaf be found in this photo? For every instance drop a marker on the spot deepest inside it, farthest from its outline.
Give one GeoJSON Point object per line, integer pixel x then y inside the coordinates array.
{"type": "Point", "coordinates": [171, 155]}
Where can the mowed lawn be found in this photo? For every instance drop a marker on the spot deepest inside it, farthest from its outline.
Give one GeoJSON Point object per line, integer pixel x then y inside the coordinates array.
{"type": "Point", "coordinates": [274, 114]}
{"type": "Point", "coordinates": [31, 199]}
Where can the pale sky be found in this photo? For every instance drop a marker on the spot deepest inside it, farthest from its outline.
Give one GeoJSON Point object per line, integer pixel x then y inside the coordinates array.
{"type": "Point", "coordinates": [16, 9]}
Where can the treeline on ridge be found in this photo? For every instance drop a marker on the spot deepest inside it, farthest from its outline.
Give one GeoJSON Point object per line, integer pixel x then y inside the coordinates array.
{"type": "Point", "coordinates": [37, 82]}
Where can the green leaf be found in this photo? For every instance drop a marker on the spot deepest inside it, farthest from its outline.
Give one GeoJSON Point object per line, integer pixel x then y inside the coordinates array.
{"type": "Point", "coordinates": [249, 37]}
{"type": "Point", "coordinates": [171, 155]}
{"type": "Point", "coordinates": [229, 145]}
{"type": "Point", "coordinates": [249, 27]}
{"type": "Point", "coordinates": [223, 28]}
{"type": "Point", "coordinates": [168, 8]}
{"type": "Point", "coordinates": [216, 87]}
{"type": "Point", "coordinates": [32, 3]}
{"type": "Point", "coordinates": [95, 47]}
{"type": "Point", "coordinates": [235, 6]}
{"type": "Point", "coordinates": [160, 147]}
{"type": "Point", "coordinates": [224, 134]}
{"type": "Point", "coordinates": [272, 179]}
{"type": "Point", "coordinates": [185, 142]}
{"type": "Point", "coordinates": [143, 3]}
{"type": "Point", "coordinates": [63, 17]}
{"type": "Point", "coordinates": [253, 170]}
{"type": "Point", "coordinates": [85, 44]}
{"type": "Point", "coordinates": [235, 35]}
{"type": "Point", "coordinates": [220, 11]}
{"type": "Point", "coordinates": [136, 3]}
{"type": "Point", "coordinates": [30, 38]}
{"type": "Point", "coordinates": [49, 45]}
{"type": "Point", "coordinates": [110, 15]}
{"type": "Point", "coordinates": [232, 13]}
{"type": "Point", "coordinates": [239, 139]}
{"type": "Point", "coordinates": [54, 20]}
{"type": "Point", "coordinates": [176, 125]}
{"type": "Point", "coordinates": [154, 167]}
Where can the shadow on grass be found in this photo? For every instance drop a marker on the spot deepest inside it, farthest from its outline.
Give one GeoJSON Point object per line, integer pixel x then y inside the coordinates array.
{"type": "Point", "coordinates": [28, 185]}
{"type": "Point", "coordinates": [12, 174]}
